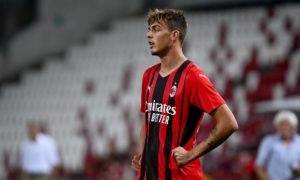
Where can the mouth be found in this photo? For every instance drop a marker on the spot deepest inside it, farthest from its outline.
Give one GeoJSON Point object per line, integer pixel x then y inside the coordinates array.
{"type": "Point", "coordinates": [150, 44]}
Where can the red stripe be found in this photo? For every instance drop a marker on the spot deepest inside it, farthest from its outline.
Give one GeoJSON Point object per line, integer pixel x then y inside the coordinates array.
{"type": "Point", "coordinates": [154, 73]}
{"type": "Point", "coordinates": [150, 97]}
{"type": "Point", "coordinates": [147, 96]}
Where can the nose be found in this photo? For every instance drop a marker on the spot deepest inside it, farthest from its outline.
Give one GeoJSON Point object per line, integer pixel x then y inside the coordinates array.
{"type": "Point", "coordinates": [149, 34]}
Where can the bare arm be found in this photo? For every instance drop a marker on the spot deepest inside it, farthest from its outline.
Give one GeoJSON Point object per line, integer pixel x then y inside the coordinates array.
{"type": "Point", "coordinates": [225, 126]}
{"type": "Point", "coordinates": [142, 137]}
{"type": "Point", "coordinates": [260, 173]}
{"type": "Point", "coordinates": [135, 163]}
{"type": "Point", "coordinates": [296, 171]}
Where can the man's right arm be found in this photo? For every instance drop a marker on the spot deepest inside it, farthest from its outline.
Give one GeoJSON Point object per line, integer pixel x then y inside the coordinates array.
{"type": "Point", "coordinates": [262, 158]}
{"type": "Point", "coordinates": [135, 163]}
{"type": "Point", "coordinates": [261, 173]}
{"type": "Point", "coordinates": [142, 137]}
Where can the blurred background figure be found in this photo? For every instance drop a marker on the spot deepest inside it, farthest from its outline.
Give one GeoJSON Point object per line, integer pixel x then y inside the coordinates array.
{"type": "Point", "coordinates": [39, 157]}
{"type": "Point", "coordinates": [279, 154]}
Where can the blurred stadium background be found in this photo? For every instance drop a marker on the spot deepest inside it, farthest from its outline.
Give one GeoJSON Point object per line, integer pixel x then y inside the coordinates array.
{"type": "Point", "coordinates": [77, 66]}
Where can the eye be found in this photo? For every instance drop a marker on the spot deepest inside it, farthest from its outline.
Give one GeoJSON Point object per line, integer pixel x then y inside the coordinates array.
{"type": "Point", "coordinates": [156, 28]}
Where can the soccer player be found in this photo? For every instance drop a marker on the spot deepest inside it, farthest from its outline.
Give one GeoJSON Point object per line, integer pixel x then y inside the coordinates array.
{"type": "Point", "coordinates": [175, 95]}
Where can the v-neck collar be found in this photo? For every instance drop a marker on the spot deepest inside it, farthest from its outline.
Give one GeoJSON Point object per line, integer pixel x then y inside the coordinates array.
{"type": "Point", "coordinates": [175, 70]}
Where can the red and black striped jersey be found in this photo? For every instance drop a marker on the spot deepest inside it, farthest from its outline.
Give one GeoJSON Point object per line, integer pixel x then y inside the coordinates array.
{"type": "Point", "coordinates": [174, 106]}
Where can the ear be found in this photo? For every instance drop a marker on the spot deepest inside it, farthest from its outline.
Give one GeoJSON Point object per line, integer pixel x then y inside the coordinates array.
{"type": "Point", "coordinates": [175, 35]}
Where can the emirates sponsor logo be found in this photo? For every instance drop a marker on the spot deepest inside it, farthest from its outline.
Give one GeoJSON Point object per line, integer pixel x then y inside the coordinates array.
{"type": "Point", "coordinates": [159, 107]}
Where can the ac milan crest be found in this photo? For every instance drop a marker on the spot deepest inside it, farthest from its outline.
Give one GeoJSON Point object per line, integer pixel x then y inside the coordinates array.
{"type": "Point", "coordinates": [173, 91]}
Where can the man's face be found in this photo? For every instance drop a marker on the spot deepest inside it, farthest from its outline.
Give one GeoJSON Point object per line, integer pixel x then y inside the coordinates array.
{"type": "Point", "coordinates": [33, 131]}
{"type": "Point", "coordinates": [159, 38]}
{"type": "Point", "coordinates": [285, 129]}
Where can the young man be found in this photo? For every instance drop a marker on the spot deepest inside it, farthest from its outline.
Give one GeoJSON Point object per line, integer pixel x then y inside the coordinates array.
{"type": "Point", "coordinates": [175, 95]}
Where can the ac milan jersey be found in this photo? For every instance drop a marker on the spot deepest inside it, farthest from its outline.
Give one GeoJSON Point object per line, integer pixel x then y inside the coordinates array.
{"type": "Point", "coordinates": [174, 107]}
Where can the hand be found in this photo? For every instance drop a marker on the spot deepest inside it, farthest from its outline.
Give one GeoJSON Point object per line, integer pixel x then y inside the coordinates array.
{"type": "Point", "coordinates": [182, 156]}
{"type": "Point", "coordinates": [296, 171]}
{"type": "Point", "coordinates": [136, 162]}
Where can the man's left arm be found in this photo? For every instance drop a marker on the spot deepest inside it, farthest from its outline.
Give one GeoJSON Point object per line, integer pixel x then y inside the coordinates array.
{"type": "Point", "coordinates": [296, 168]}
{"type": "Point", "coordinates": [296, 172]}
{"type": "Point", "coordinates": [226, 124]}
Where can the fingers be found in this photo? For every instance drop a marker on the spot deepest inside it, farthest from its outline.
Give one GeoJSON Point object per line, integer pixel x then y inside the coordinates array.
{"type": "Point", "coordinates": [179, 154]}
{"type": "Point", "coordinates": [178, 151]}
{"type": "Point", "coordinates": [135, 162]}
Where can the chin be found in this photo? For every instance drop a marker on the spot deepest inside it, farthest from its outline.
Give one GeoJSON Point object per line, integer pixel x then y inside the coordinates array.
{"type": "Point", "coordinates": [154, 53]}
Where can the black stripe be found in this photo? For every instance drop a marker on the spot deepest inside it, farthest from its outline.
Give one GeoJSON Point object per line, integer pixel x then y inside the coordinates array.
{"type": "Point", "coordinates": [193, 118]}
{"type": "Point", "coordinates": [169, 134]}
{"type": "Point", "coordinates": [153, 134]}
{"type": "Point", "coordinates": [182, 100]}
{"type": "Point", "coordinates": [143, 163]}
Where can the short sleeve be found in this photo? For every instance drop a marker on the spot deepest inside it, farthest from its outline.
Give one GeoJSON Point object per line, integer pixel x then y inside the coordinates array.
{"type": "Point", "coordinates": [145, 81]}
{"type": "Point", "coordinates": [263, 152]}
{"type": "Point", "coordinates": [202, 93]}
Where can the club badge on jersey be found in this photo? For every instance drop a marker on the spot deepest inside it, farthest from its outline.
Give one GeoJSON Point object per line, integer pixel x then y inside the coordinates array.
{"type": "Point", "coordinates": [173, 91]}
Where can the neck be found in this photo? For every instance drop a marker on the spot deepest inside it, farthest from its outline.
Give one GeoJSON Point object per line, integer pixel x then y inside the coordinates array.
{"type": "Point", "coordinates": [287, 138]}
{"type": "Point", "coordinates": [172, 60]}
{"type": "Point", "coordinates": [33, 138]}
